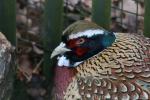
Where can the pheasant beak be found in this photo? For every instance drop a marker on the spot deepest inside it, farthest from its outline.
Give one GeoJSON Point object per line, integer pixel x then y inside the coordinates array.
{"type": "Point", "coordinates": [61, 49]}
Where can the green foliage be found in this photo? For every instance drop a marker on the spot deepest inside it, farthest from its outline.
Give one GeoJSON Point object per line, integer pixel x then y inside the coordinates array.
{"type": "Point", "coordinates": [101, 12]}
{"type": "Point", "coordinates": [147, 18]}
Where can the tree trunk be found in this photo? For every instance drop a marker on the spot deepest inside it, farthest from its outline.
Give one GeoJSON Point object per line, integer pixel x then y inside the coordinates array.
{"type": "Point", "coordinates": [6, 68]}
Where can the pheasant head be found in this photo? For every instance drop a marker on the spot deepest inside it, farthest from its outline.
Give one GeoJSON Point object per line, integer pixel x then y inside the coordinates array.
{"type": "Point", "coordinates": [81, 41]}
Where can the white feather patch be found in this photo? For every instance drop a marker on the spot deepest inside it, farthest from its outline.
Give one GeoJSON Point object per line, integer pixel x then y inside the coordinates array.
{"type": "Point", "coordinates": [88, 33]}
{"type": "Point", "coordinates": [63, 61]}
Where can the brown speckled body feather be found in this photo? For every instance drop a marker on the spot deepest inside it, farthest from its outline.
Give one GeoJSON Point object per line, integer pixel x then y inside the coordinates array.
{"type": "Point", "coordinates": [120, 72]}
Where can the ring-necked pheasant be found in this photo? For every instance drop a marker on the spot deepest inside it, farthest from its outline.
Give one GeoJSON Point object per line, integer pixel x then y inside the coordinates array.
{"type": "Point", "coordinates": [95, 64]}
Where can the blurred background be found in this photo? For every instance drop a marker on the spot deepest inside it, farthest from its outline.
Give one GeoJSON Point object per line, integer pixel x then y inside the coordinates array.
{"type": "Point", "coordinates": [35, 18]}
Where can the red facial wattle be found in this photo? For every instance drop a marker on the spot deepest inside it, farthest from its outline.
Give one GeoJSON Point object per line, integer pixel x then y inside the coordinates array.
{"type": "Point", "coordinates": [75, 44]}
{"type": "Point", "coordinates": [72, 44]}
{"type": "Point", "coordinates": [81, 51]}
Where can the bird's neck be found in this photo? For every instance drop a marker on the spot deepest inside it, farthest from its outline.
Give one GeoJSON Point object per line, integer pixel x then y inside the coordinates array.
{"type": "Point", "coordinates": [63, 76]}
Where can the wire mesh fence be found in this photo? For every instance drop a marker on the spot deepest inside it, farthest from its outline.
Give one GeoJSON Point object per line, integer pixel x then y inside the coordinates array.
{"type": "Point", "coordinates": [126, 15]}
{"type": "Point", "coordinates": [129, 14]}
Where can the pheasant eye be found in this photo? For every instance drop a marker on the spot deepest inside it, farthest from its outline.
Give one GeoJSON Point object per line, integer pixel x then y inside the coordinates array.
{"type": "Point", "coordinates": [80, 41]}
